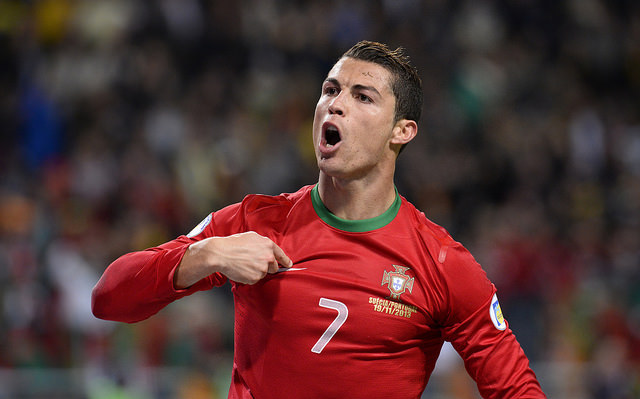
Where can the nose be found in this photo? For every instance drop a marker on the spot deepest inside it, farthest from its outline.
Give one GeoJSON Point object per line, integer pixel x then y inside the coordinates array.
{"type": "Point", "coordinates": [336, 106]}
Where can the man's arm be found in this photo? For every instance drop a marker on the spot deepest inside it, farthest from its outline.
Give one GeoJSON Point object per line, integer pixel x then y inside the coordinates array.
{"type": "Point", "coordinates": [477, 330]}
{"type": "Point", "coordinates": [139, 284]}
{"type": "Point", "coordinates": [493, 358]}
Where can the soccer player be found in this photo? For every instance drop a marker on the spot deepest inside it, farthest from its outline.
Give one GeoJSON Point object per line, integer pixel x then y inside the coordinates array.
{"type": "Point", "coordinates": [342, 289]}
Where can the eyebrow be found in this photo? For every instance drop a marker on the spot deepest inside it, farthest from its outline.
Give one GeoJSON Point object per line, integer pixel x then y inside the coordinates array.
{"type": "Point", "coordinates": [357, 87]}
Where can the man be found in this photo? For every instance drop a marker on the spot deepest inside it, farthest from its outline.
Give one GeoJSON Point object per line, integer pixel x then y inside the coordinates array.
{"type": "Point", "coordinates": [342, 289]}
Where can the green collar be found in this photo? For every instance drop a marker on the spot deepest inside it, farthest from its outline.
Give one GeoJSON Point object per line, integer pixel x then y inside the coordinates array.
{"type": "Point", "coordinates": [354, 226]}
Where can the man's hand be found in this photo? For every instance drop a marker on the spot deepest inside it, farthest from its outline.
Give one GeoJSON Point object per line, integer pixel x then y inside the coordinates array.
{"type": "Point", "coordinates": [244, 258]}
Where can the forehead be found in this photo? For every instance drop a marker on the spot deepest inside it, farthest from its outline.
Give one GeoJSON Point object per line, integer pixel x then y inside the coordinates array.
{"type": "Point", "coordinates": [351, 72]}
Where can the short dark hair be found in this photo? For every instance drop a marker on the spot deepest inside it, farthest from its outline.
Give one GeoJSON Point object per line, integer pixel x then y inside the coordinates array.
{"type": "Point", "coordinates": [405, 82]}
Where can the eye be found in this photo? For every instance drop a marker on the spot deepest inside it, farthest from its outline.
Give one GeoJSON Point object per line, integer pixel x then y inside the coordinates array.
{"type": "Point", "coordinates": [364, 98]}
{"type": "Point", "coordinates": [330, 90]}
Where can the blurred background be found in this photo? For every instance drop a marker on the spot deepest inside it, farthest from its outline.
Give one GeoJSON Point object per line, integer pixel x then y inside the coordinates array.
{"type": "Point", "coordinates": [123, 123]}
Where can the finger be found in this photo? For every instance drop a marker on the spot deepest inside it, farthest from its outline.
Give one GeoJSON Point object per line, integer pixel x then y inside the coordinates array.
{"type": "Point", "coordinates": [273, 267]}
{"type": "Point", "coordinates": [281, 257]}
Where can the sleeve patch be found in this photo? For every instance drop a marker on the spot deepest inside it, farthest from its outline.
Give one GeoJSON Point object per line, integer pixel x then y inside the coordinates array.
{"type": "Point", "coordinates": [496, 314]}
{"type": "Point", "coordinates": [200, 227]}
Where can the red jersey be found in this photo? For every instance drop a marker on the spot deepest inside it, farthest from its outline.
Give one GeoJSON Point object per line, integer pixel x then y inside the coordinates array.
{"type": "Point", "coordinates": [362, 313]}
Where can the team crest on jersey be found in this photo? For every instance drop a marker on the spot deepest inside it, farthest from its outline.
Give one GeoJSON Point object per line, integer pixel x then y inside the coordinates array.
{"type": "Point", "coordinates": [397, 281]}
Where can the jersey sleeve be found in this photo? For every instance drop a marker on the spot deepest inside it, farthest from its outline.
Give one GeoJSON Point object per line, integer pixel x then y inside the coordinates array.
{"type": "Point", "coordinates": [139, 284]}
{"type": "Point", "coordinates": [477, 330]}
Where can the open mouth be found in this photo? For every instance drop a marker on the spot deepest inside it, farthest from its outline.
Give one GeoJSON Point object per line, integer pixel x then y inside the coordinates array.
{"type": "Point", "coordinates": [331, 136]}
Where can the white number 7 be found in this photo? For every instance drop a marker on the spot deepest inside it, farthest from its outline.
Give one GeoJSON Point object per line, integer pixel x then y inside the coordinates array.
{"type": "Point", "coordinates": [333, 328]}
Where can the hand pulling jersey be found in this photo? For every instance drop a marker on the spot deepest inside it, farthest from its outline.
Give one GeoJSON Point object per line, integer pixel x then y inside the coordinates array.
{"type": "Point", "coordinates": [362, 313]}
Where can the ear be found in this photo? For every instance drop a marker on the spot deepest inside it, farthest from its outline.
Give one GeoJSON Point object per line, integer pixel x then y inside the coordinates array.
{"type": "Point", "coordinates": [404, 131]}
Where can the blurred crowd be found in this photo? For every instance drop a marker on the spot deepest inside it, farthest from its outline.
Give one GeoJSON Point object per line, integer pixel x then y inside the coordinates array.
{"type": "Point", "coordinates": [123, 123]}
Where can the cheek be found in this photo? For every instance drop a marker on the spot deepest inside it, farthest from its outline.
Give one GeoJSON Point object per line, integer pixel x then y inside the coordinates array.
{"type": "Point", "coordinates": [374, 142]}
{"type": "Point", "coordinates": [321, 106]}
{"type": "Point", "coordinates": [317, 120]}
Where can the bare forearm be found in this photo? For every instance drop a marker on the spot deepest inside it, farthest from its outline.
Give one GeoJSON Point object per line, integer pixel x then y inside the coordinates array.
{"type": "Point", "coordinates": [197, 263]}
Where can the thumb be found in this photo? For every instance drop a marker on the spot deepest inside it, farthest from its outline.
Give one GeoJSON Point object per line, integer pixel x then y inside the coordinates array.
{"type": "Point", "coordinates": [281, 257]}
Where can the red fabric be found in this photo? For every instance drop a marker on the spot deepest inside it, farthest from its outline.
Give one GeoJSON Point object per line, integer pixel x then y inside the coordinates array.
{"type": "Point", "coordinates": [387, 346]}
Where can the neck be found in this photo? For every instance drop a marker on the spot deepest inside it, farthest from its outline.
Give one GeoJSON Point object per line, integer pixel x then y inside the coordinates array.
{"type": "Point", "coordinates": [356, 199]}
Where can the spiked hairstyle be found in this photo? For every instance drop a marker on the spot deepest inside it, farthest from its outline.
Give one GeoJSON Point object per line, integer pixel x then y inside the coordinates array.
{"type": "Point", "coordinates": [405, 82]}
